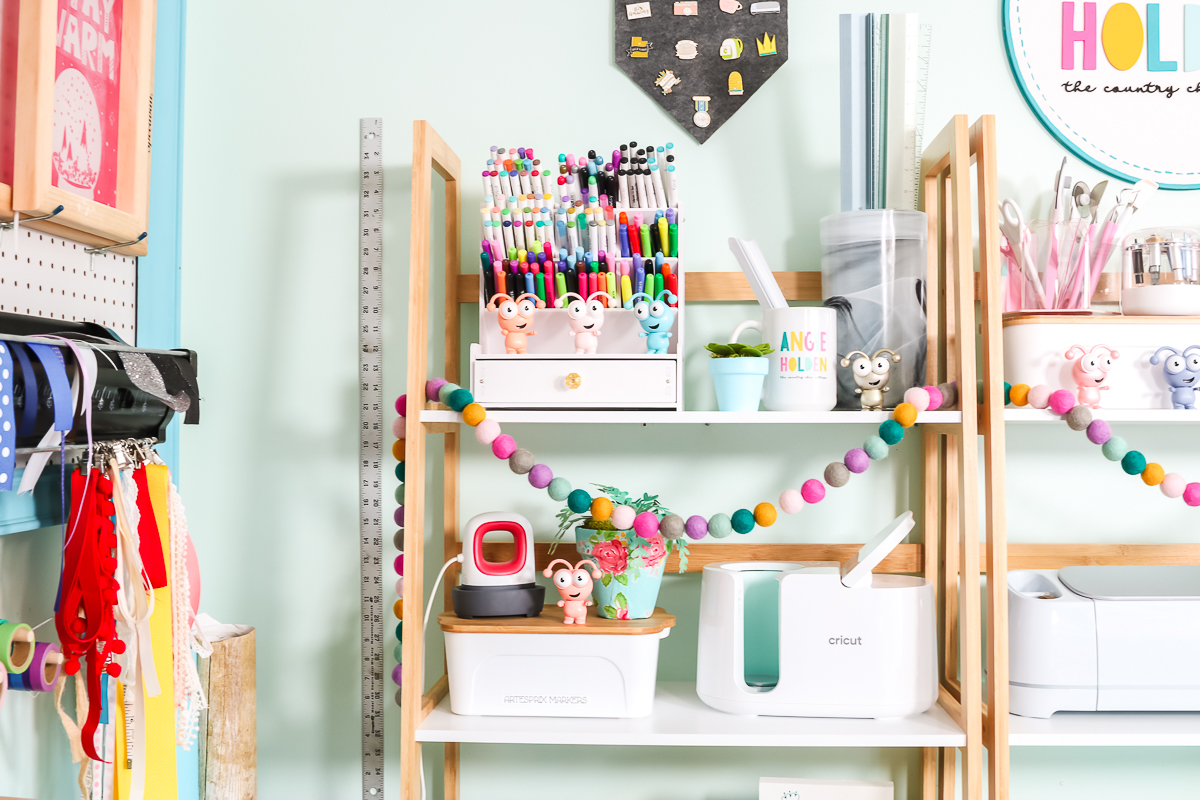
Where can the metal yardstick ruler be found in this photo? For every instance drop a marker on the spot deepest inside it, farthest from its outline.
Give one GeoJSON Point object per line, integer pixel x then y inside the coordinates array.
{"type": "Point", "coordinates": [370, 447]}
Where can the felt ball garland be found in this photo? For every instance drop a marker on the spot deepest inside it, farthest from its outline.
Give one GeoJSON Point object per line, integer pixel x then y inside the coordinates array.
{"type": "Point", "coordinates": [1080, 418]}
{"type": "Point", "coordinates": [647, 524]}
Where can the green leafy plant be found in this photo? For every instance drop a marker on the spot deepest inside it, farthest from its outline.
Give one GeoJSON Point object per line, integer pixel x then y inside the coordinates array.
{"type": "Point", "coordinates": [738, 350]}
{"type": "Point", "coordinates": [568, 520]}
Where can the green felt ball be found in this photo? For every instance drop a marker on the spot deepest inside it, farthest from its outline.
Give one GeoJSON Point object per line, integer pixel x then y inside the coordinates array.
{"type": "Point", "coordinates": [400, 494]}
{"type": "Point", "coordinates": [445, 392]}
{"type": "Point", "coordinates": [398, 653]}
{"type": "Point", "coordinates": [1133, 463]}
{"type": "Point", "coordinates": [891, 432]}
{"type": "Point", "coordinates": [459, 399]}
{"type": "Point", "coordinates": [876, 448]}
{"type": "Point", "coordinates": [579, 501]}
{"type": "Point", "coordinates": [400, 472]}
{"type": "Point", "coordinates": [743, 520]}
{"type": "Point", "coordinates": [559, 489]}
{"type": "Point", "coordinates": [1007, 389]}
{"type": "Point", "coordinates": [1115, 449]}
{"type": "Point", "coordinates": [719, 526]}
{"type": "Point", "coordinates": [399, 630]}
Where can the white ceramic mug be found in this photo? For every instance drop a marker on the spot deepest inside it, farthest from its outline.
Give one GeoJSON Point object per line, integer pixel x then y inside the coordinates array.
{"type": "Point", "coordinates": [803, 369]}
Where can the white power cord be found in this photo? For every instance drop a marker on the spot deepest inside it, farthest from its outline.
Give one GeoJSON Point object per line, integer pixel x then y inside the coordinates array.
{"type": "Point", "coordinates": [458, 559]}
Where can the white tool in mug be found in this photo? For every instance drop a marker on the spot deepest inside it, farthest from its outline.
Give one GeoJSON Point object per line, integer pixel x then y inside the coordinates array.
{"type": "Point", "coordinates": [802, 375]}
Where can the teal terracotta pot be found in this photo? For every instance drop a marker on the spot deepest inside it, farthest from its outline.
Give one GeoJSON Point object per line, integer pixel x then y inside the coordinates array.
{"type": "Point", "coordinates": [627, 588]}
{"type": "Point", "coordinates": [738, 381]}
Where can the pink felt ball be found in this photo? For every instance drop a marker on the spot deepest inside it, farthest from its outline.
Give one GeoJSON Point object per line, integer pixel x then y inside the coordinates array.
{"type": "Point", "coordinates": [813, 491]}
{"type": "Point", "coordinates": [791, 501]}
{"type": "Point", "coordinates": [1191, 495]}
{"type": "Point", "coordinates": [1062, 401]}
{"type": "Point", "coordinates": [1098, 432]}
{"type": "Point", "coordinates": [917, 397]}
{"type": "Point", "coordinates": [432, 388]}
{"type": "Point", "coordinates": [540, 476]}
{"type": "Point", "coordinates": [1173, 485]}
{"type": "Point", "coordinates": [935, 398]}
{"type": "Point", "coordinates": [398, 564]}
{"type": "Point", "coordinates": [487, 431]}
{"type": "Point", "coordinates": [1039, 396]}
{"type": "Point", "coordinates": [857, 460]}
{"type": "Point", "coordinates": [400, 586]}
{"type": "Point", "coordinates": [398, 427]}
{"type": "Point", "coordinates": [622, 517]}
{"type": "Point", "coordinates": [503, 446]}
{"type": "Point", "coordinates": [645, 524]}
{"type": "Point", "coordinates": [402, 405]}
{"type": "Point", "coordinates": [696, 527]}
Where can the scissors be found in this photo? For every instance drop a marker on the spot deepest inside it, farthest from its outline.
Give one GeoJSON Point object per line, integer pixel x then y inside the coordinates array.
{"type": "Point", "coordinates": [1012, 225]}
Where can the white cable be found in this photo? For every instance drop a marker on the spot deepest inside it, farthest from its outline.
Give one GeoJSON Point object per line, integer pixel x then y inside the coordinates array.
{"type": "Point", "coordinates": [425, 624]}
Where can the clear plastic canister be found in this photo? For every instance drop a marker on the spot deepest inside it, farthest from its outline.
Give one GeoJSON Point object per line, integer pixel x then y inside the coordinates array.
{"type": "Point", "coordinates": [873, 273]}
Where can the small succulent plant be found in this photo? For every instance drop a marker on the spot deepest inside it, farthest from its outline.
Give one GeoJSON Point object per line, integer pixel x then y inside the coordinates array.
{"type": "Point", "coordinates": [738, 350]}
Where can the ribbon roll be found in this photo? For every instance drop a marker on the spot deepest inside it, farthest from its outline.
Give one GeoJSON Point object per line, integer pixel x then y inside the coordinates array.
{"type": "Point", "coordinates": [16, 646]}
{"type": "Point", "coordinates": [29, 379]}
{"type": "Point", "coordinates": [8, 418]}
{"type": "Point", "coordinates": [43, 672]}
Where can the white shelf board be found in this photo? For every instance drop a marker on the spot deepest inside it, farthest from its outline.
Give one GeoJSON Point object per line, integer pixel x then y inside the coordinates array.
{"type": "Point", "coordinates": [694, 417]}
{"type": "Point", "coordinates": [1107, 414]}
{"type": "Point", "coordinates": [680, 719]}
{"type": "Point", "coordinates": [1107, 729]}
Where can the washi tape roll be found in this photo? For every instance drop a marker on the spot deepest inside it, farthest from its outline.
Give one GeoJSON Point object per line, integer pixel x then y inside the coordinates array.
{"type": "Point", "coordinates": [16, 646]}
{"type": "Point", "coordinates": [43, 672]}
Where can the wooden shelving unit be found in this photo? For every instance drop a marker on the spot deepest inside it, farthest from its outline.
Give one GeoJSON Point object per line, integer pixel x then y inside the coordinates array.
{"type": "Point", "coordinates": [949, 555]}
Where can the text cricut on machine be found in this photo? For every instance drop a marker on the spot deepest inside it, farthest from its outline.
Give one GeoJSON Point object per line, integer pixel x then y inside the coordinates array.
{"type": "Point", "coordinates": [846, 640]}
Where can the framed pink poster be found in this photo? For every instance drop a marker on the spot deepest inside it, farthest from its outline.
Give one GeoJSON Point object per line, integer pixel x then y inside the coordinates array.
{"type": "Point", "coordinates": [87, 98]}
{"type": "Point", "coordinates": [84, 81]}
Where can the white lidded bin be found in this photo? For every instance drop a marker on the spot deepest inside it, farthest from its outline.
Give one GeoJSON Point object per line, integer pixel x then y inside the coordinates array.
{"type": "Point", "coordinates": [539, 667]}
{"type": "Point", "coordinates": [1036, 347]}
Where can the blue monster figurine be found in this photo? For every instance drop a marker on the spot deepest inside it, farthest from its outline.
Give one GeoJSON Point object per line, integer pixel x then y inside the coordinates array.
{"type": "Point", "coordinates": [1182, 374]}
{"type": "Point", "coordinates": [656, 318]}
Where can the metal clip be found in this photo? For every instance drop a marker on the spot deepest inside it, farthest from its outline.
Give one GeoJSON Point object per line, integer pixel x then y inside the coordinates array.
{"type": "Point", "coordinates": [15, 225]}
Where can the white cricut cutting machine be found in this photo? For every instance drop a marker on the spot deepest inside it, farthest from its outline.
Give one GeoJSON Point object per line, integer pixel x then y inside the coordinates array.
{"type": "Point", "coordinates": [815, 639]}
{"type": "Point", "coordinates": [1104, 638]}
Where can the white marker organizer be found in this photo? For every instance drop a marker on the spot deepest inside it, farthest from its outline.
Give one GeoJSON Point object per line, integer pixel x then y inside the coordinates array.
{"type": "Point", "coordinates": [550, 375]}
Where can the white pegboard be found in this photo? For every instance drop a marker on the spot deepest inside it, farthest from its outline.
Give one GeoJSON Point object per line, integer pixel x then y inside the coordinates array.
{"type": "Point", "coordinates": [48, 276]}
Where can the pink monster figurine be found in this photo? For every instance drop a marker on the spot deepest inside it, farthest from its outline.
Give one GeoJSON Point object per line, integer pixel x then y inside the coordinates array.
{"type": "Point", "coordinates": [515, 318]}
{"type": "Point", "coordinates": [585, 318]}
{"type": "Point", "coordinates": [575, 586]}
{"type": "Point", "coordinates": [1091, 370]}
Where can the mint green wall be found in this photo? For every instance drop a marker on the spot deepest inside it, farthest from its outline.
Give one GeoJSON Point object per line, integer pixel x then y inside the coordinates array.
{"type": "Point", "coordinates": [274, 94]}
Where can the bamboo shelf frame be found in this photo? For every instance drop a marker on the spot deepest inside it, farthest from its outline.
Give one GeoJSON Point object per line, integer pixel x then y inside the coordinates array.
{"type": "Point", "coordinates": [950, 555]}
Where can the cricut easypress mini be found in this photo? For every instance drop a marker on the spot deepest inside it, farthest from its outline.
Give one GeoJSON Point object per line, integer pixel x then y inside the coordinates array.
{"type": "Point", "coordinates": [506, 589]}
{"type": "Point", "coordinates": [815, 639]}
{"type": "Point", "coordinates": [1104, 638]}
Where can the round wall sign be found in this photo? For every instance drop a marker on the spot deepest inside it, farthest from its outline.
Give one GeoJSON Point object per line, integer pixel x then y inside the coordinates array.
{"type": "Point", "coordinates": [1115, 83]}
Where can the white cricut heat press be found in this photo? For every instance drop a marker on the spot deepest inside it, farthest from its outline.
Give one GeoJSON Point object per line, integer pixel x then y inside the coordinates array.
{"type": "Point", "coordinates": [1104, 638]}
{"type": "Point", "coordinates": [815, 639]}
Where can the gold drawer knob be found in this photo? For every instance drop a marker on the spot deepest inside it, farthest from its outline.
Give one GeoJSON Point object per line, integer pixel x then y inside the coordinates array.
{"type": "Point", "coordinates": [573, 380]}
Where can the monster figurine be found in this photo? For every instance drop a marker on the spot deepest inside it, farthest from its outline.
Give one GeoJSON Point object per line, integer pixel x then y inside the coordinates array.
{"type": "Point", "coordinates": [1181, 371]}
{"type": "Point", "coordinates": [871, 373]}
{"type": "Point", "coordinates": [656, 318]}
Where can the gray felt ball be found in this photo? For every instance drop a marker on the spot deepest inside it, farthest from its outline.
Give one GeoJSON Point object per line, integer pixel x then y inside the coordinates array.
{"type": "Point", "coordinates": [837, 475]}
{"type": "Point", "coordinates": [949, 395]}
{"type": "Point", "coordinates": [1078, 418]}
{"type": "Point", "coordinates": [521, 461]}
{"type": "Point", "coordinates": [671, 526]}
{"type": "Point", "coordinates": [398, 539]}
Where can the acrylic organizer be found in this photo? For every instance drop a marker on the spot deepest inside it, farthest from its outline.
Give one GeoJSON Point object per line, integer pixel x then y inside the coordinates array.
{"type": "Point", "coordinates": [619, 375]}
{"type": "Point", "coordinates": [1160, 272]}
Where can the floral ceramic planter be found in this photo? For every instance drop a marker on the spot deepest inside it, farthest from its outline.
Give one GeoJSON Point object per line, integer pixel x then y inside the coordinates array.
{"type": "Point", "coordinates": [632, 570]}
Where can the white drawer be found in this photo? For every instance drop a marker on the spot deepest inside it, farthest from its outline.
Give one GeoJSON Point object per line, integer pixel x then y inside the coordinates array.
{"type": "Point", "coordinates": [532, 382]}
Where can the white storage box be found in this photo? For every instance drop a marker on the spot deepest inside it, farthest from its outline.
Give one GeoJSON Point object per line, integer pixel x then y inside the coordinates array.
{"type": "Point", "coordinates": [1035, 348]}
{"type": "Point", "coordinates": [807, 789]}
{"type": "Point", "coordinates": [539, 667]}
